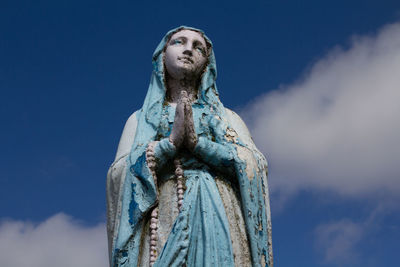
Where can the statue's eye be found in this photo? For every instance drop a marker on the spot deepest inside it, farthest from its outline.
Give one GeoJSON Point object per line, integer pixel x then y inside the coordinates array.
{"type": "Point", "coordinates": [177, 41]}
{"type": "Point", "coordinates": [201, 50]}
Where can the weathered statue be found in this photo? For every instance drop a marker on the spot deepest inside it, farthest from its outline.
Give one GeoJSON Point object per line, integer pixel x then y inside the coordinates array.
{"type": "Point", "coordinates": [188, 187]}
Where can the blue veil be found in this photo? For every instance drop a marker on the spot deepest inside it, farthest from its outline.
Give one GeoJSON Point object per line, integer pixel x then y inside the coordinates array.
{"type": "Point", "coordinates": [139, 193]}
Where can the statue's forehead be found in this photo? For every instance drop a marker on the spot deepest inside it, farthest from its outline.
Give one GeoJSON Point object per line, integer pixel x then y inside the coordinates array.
{"type": "Point", "coordinates": [189, 34]}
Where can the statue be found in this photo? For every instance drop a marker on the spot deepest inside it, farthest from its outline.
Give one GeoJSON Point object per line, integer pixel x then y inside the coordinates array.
{"type": "Point", "coordinates": [188, 187]}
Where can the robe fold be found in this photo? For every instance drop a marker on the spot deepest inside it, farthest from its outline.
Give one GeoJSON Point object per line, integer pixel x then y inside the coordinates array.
{"type": "Point", "coordinates": [225, 217]}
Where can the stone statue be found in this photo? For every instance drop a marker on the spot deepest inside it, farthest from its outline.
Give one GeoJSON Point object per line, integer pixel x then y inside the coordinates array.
{"type": "Point", "coordinates": [188, 187]}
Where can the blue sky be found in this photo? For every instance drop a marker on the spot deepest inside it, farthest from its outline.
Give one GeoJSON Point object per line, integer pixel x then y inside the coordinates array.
{"type": "Point", "coordinates": [316, 82]}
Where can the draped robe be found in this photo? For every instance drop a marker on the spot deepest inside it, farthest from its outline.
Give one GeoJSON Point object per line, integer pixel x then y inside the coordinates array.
{"type": "Point", "coordinates": [225, 218]}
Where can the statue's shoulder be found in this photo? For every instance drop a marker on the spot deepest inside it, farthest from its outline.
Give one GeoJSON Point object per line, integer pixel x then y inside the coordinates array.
{"type": "Point", "coordinates": [232, 115]}
{"type": "Point", "coordinates": [239, 126]}
{"type": "Point", "coordinates": [131, 123]}
{"type": "Point", "coordinates": [243, 132]}
{"type": "Point", "coordinates": [128, 134]}
{"type": "Point", "coordinates": [132, 120]}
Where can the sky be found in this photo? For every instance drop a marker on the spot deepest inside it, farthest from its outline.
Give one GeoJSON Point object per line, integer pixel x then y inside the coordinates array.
{"type": "Point", "coordinates": [315, 81]}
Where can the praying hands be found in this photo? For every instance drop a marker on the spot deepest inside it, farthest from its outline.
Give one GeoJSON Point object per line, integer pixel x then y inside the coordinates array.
{"type": "Point", "coordinates": [183, 133]}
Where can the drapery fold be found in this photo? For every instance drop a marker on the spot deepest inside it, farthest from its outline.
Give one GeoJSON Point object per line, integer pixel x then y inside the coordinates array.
{"type": "Point", "coordinates": [238, 155]}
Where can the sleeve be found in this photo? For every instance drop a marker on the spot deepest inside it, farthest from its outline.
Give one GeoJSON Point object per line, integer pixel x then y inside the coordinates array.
{"type": "Point", "coordinates": [162, 151]}
{"type": "Point", "coordinates": [116, 177]}
{"type": "Point", "coordinates": [219, 156]}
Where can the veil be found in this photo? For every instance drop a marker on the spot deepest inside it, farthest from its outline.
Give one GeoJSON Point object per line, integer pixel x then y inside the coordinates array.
{"type": "Point", "coordinates": [138, 190]}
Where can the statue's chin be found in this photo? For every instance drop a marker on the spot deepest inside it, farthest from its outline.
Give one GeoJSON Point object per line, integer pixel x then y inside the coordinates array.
{"type": "Point", "coordinates": [184, 72]}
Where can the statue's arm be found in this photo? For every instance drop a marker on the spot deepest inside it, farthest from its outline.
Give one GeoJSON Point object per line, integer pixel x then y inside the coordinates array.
{"type": "Point", "coordinates": [163, 150]}
{"type": "Point", "coordinates": [116, 176]}
{"type": "Point", "coordinates": [218, 156]}
{"type": "Point", "coordinates": [240, 128]}
{"type": "Point", "coordinates": [243, 132]}
{"type": "Point", "coordinates": [127, 137]}
{"type": "Point", "coordinates": [222, 156]}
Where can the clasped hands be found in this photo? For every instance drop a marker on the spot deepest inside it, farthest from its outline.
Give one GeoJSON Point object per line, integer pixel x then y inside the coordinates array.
{"type": "Point", "coordinates": [183, 133]}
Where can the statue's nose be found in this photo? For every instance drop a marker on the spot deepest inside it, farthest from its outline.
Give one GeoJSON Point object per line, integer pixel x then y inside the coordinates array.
{"type": "Point", "coordinates": [188, 52]}
{"type": "Point", "coordinates": [188, 49]}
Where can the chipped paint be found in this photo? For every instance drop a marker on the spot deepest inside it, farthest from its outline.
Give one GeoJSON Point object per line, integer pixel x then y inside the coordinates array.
{"type": "Point", "coordinates": [247, 156]}
{"type": "Point", "coordinates": [231, 135]}
{"type": "Point", "coordinates": [224, 145]}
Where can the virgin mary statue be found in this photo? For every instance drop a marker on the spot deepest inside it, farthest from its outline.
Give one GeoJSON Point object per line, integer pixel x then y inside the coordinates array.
{"type": "Point", "coordinates": [188, 187]}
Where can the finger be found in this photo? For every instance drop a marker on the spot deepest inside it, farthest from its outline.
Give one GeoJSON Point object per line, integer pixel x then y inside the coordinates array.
{"type": "Point", "coordinates": [184, 95]}
{"type": "Point", "coordinates": [188, 105]}
{"type": "Point", "coordinates": [179, 113]}
{"type": "Point", "coordinates": [189, 114]}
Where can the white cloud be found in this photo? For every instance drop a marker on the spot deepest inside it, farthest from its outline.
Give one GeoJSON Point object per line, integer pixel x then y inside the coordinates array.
{"type": "Point", "coordinates": [337, 241]}
{"type": "Point", "coordinates": [338, 128]}
{"type": "Point", "coordinates": [59, 241]}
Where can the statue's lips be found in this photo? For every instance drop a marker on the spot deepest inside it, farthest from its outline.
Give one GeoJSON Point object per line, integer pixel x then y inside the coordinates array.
{"type": "Point", "coordinates": [188, 59]}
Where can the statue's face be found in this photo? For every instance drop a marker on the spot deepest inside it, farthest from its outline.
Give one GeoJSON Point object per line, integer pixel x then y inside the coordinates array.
{"type": "Point", "coordinates": [185, 54]}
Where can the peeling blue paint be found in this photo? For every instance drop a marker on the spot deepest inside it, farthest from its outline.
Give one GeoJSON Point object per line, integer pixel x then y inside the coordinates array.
{"type": "Point", "coordinates": [202, 202]}
{"type": "Point", "coordinates": [133, 207]}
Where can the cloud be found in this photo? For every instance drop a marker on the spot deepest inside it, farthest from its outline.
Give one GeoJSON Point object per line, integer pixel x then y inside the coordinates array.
{"type": "Point", "coordinates": [340, 242]}
{"type": "Point", "coordinates": [337, 130]}
{"type": "Point", "coordinates": [338, 127]}
{"type": "Point", "coordinates": [58, 241]}
{"type": "Point", "coordinates": [337, 241]}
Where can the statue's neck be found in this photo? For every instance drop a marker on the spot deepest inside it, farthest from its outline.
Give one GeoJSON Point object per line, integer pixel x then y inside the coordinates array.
{"type": "Point", "coordinates": [175, 86]}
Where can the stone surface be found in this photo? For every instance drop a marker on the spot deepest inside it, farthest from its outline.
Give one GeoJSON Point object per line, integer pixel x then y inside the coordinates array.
{"type": "Point", "coordinates": [210, 207]}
